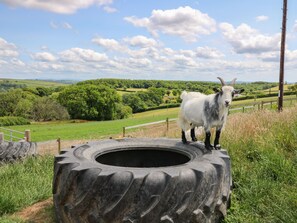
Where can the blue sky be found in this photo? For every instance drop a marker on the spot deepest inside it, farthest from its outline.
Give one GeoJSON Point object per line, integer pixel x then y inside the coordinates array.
{"type": "Point", "coordinates": [167, 39]}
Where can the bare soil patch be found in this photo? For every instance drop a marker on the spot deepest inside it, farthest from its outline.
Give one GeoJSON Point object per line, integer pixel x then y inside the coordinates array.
{"type": "Point", "coordinates": [37, 213]}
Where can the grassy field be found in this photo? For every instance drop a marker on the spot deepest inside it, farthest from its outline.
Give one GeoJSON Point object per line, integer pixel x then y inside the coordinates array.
{"type": "Point", "coordinates": [33, 83]}
{"type": "Point", "coordinates": [262, 147]}
{"type": "Point", "coordinates": [92, 130]}
{"type": "Point", "coordinates": [275, 89]}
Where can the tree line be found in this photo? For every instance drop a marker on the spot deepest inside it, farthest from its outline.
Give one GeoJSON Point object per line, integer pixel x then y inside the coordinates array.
{"type": "Point", "coordinates": [99, 99]}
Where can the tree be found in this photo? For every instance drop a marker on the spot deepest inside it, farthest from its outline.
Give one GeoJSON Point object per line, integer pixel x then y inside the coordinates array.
{"type": "Point", "coordinates": [90, 102]}
{"type": "Point", "coordinates": [46, 109]}
{"type": "Point", "coordinates": [123, 111]}
{"type": "Point", "coordinates": [10, 101]}
{"type": "Point", "coordinates": [135, 102]}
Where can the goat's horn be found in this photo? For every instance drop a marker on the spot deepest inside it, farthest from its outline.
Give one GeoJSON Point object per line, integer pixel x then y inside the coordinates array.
{"type": "Point", "coordinates": [222, 81]}
{"type": "Point", "coordinates": [233, 81]}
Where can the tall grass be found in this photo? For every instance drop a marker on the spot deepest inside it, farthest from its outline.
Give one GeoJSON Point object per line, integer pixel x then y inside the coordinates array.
{"type": "Point", "coordinates": [24, 183]}
{"type": "Point", "coordinates": [263, 150]}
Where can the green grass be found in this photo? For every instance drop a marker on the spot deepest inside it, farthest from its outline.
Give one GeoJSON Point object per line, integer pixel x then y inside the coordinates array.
{"type": "Point", "coordinates": [92, 130]}
{"type": "Point", "coordinates": [276, 88]}
{"type": "Point", "coordinates": [24, 183]}
{"type": "Point", "coordinates": [10, 219]}
{"type": "Point", "coordinates": [262, 147]}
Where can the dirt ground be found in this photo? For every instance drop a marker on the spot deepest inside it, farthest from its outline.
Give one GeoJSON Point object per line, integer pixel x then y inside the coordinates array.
{"type": "Point", "coordinates": [37, 212]}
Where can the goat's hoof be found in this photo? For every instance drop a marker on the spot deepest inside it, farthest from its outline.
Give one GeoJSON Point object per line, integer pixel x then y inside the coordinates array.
{"type": "Point", "coordinates": [218, 147]}
{"type": "Point", "coordinates": [194, 139]}
{"type": "Point", "coordinates": [185, 142]}
{"type": "Point", "coordinates": [209, 148]}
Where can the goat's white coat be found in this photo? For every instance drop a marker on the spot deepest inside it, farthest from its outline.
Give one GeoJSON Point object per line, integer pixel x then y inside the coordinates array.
{"type": "Point", "coordinates": [194, 112]}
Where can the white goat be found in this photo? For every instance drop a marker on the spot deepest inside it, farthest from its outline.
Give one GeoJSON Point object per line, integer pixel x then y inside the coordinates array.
{"type": "Point", "coordinates": [209, 111]}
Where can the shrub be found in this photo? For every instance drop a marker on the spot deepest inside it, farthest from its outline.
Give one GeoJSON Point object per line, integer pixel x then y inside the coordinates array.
{"type": "Point", "coordinates": [12, 120]}
{"type": "Point", "coordinates": [46, 109]}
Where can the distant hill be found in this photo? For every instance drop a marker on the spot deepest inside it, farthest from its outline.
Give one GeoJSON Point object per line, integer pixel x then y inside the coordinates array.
{"type": "Point", "coordinates": [6, 83]}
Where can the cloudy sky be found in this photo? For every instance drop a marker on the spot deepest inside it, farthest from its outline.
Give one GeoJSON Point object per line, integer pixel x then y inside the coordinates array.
{"type": "Point", "coordinates": [135, 39]}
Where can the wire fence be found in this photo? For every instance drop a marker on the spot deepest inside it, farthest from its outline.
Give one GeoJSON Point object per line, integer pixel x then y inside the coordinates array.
{"type": "Point", "coordinates": [9, 135]}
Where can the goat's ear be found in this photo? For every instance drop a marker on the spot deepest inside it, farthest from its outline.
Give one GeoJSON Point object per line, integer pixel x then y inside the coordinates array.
{"type": "Point", "coordinates": [216, 89]}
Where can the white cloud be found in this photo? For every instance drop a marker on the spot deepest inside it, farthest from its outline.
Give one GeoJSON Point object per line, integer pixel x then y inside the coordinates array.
{"type": "Point", "coordinates": [245, 39]}
{"type": "Point", "coordinates": [185, 22]}
{"type": "Point", "coordinates": [262, 18]}
{"type": "Point", "coordinates": [44, 56]}
{"type": "Point", "coordinates": [79, 55]}
{"type": "Point", "coordinates": [139, 62]}
{"type": "Point", "coordinates": [8, 49]}
{"type": "Point", "coordinates": [141, 41]}
{"type": "Point", "coordinates": [17, 62]}
{"type": "Point", "coordinates": [109, 9]}
{"type": "Point", "coordinates": [44, 66]}
{"type": "Point", "coordinates": [109, 44]}
{"type": "Point", "coordinates": [66, 25]}
{"type": "Point", "coordinates": [54, 25]}
{"type": "Point", "coordinates": [57, 6]}
{"type": "Point", "coordinates": [295, 26]}
{"type": "Point", "coordinates": [63, 25]}
{"type": "Point", "coordinates": [208, 53]}
{"type": "Point", "coordinates": [291, 55]}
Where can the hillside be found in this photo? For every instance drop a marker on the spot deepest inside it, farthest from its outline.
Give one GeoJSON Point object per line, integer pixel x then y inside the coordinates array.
{"type": "Point", "coordinates": [33, 83]}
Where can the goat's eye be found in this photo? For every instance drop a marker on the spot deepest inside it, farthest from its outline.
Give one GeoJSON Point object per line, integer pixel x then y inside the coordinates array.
{"type": "Point", "coordinates": [233, 94]}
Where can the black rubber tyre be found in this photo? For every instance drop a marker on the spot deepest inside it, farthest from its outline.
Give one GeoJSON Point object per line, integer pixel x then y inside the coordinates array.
{"type": "Point", "coordinates": [11, 151]}
{"type": "Point", "coordinates": [141, 181]}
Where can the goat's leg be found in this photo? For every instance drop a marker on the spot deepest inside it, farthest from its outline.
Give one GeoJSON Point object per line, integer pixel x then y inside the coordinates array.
{"type": "Point", "coordinates": [207, 140]}
{"type": "Point", "coordinates": [217, 139]}
{"type": "Point", "coordinates": [184, 139]}
{"type": "Point", "coordinates": [194, 139]}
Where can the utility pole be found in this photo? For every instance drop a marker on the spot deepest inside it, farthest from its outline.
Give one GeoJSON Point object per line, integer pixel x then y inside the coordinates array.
{"type": "Point", "coordinates": [282, 58]}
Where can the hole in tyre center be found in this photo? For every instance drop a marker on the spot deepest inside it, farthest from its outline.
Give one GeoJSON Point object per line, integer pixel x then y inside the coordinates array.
{"type": "Point", "coordinates": [142, 158]}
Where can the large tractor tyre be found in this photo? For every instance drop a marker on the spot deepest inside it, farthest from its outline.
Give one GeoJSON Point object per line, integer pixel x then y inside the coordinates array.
{"type": "Point", "coordinates": [11, 151]}
{"type": "Point", "coordinates": [141, 181]}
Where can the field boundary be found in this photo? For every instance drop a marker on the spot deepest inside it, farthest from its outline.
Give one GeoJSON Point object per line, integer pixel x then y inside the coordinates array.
{"type": "Point", "coordinates": [149, 123]}
{"type": "Point", "coordinates": [11, 134]}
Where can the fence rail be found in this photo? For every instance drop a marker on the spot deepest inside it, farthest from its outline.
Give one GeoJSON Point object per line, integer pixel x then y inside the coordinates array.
{"type": "Point", "coordinates": [150, 123]}
{"type": "Point", "coordinates": [11, 135]}
{"type": "Point", "coordinates": [260, 104]}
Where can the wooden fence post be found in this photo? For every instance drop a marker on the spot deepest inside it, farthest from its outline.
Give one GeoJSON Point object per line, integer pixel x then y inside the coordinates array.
{"type": "Point", "coordinates": [28, 135]}
{"type": "Point", "coordinates": [59, 145]}
{"type": "Point", "coordinates": [167, 125]}
{"type": "Point", "coordinates": [124, 132]}
{"type": "Point", "coordinates": [1, 137]}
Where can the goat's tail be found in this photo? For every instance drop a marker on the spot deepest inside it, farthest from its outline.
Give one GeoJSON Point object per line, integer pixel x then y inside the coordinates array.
{"type": "Point", "coordinates": [183, 95]}
{"type": "Point", "coordinates": [182, 122]}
